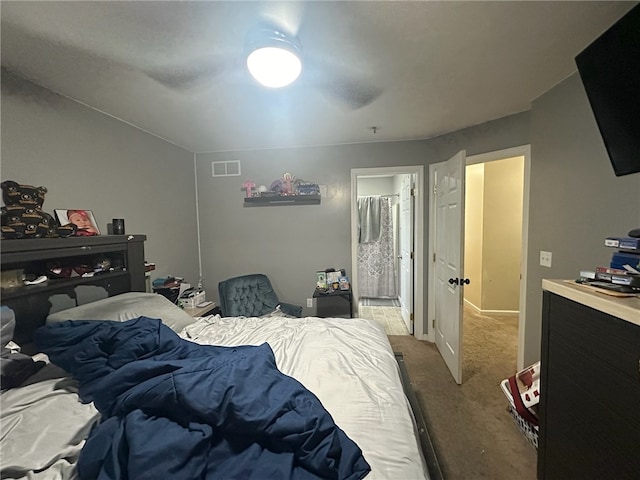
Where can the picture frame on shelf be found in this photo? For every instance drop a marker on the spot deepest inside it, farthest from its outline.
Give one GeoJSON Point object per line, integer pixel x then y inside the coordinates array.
{"type": "Point", "coordinates": [332, 277]}
{"type": "Point", "coordinates": [321, 280]}
{"type": "Point", "coordinates": [83, 219]}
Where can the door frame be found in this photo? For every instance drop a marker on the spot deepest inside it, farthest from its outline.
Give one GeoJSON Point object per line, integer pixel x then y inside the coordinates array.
{"type": "Point", "coordinates": [519, 151]}
{"type": "Point", "coordinates": [419, 323]}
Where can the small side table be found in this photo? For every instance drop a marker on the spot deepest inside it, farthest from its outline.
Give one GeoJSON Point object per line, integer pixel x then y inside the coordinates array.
{"type": "Point", "coordinates": [211, 309]}
{"type": "Point", "coordinates": [337, 303]}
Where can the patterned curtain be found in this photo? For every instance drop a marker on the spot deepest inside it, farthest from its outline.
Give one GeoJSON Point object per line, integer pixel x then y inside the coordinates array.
{"type": "Point", "coordinates": [376, 258]}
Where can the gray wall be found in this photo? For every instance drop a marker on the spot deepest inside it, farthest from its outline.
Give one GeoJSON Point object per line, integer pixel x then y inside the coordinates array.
{"type": "Point", "coordinates": [290, 243]}
{"type": "Point", "coordinates": [92, 161]}
{"type": "Point", "coordinates": [376, 186]}
{"type": "Point", "coordinates": [575, 199]}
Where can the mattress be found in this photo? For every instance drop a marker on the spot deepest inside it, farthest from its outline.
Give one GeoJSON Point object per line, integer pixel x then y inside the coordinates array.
{"type": "Point", "coordinates": [350, 366]}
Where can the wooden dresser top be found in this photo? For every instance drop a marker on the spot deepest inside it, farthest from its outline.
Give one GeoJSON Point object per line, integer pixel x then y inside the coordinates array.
{"type": "Point", "coordinates": [625, 308]}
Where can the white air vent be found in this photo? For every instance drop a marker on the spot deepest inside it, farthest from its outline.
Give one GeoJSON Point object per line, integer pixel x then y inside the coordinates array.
{"type": "Point", "coordinates": [229, 168]}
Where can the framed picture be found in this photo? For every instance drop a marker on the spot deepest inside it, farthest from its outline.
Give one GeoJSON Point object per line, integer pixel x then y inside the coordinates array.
{"type": "Point", "coordinates": [321, 282]}
{"type": "Point", "coordinates": [343, 282]}
{"type": "Point", "coordinates": [332, 277]}
{"type": "Point", "coordinates": [83, 219]}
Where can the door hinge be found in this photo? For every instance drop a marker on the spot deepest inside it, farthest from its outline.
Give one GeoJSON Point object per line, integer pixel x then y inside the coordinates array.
{"type": "Point", "coordinates": [433, 323]}
{"type": "Point", "coordinates": [434, 257]}
{"type": "Point", "coordinates": [412, 256]}
{"type": "Point", "coordinates": [411, 317]}
{"type": "Point", "coordinates": [413, 192]}
{"type": "Point", "coordinates": [435, 188]}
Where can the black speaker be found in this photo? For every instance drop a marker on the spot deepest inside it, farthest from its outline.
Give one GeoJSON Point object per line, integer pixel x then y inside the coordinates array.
{"type": "Point", "coordinates": [118, 226]}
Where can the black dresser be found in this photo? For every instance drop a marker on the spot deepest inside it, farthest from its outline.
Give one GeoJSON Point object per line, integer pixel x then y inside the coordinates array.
{"type": "Point", "coordinates": [590, 385]}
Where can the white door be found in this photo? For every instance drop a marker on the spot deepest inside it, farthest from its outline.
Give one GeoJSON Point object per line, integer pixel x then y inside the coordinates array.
{"type": "Point", "coordinates": [405, 233]}
{"type": "Point", "coordinates": [448, 259]}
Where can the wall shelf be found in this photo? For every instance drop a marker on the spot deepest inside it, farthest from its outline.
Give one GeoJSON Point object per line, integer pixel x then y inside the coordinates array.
{"type": "Point", "coordinates": [282, 200]}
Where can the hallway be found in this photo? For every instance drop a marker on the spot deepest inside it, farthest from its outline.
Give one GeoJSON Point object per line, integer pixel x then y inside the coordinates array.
{"type": "Point", "coordinates": [388, 317]}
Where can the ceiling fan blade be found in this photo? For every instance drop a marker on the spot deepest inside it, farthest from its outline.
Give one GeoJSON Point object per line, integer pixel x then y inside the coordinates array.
{"type": "Point", "coordinates": [349, 88]}
{"type": "Point", "coordinates": [354, 94]}
{"type": "Point", "coordinates": [194, 73]}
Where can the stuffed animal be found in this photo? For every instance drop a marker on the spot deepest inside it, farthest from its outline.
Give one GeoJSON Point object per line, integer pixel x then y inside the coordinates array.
{"type": "Point", "coordinates": [22, 215]}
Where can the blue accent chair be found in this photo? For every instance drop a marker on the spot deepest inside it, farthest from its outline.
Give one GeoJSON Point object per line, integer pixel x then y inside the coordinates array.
{"type": "Point", "coordinates": [251, 296]}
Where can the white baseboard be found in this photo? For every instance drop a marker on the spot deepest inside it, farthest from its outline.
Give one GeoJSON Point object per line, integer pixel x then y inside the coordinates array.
{"type": "Point", "coordinates": [493, 313]}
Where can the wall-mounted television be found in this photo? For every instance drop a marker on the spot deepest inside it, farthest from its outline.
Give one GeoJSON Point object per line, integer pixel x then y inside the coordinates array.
{"type": "Point", "coordinates": [610, 72]}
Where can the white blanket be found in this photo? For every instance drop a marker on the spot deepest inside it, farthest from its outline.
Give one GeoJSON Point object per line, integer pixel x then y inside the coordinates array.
{"type": "Point", "coordinates": [350, 366]}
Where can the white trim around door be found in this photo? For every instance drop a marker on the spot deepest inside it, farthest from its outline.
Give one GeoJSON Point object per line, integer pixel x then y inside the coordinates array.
{"type": "Point", "coordinates": [524, 151]}
{"type": "Point", "coordinates": [420, 323]}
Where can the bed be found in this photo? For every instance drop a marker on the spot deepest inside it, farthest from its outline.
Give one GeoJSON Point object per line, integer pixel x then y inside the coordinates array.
{"type": "Point", "coordinates": [344, 368]}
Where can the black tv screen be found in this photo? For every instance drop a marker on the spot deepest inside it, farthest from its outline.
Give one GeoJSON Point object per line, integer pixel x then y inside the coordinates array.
{"type": "Point", "coordinates": [610, 72]}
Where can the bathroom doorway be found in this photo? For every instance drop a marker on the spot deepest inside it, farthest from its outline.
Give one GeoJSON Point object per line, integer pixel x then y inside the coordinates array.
{"type": "Point", "coordinates": [398, 288]}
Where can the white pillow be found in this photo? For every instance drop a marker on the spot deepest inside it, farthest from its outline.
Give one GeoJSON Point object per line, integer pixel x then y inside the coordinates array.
{"type": "Point", "coordinates": [125, 307]}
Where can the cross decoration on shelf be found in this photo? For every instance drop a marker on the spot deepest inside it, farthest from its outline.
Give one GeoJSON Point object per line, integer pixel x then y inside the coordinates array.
{"type": "Point", "coordinates": [248, 185]}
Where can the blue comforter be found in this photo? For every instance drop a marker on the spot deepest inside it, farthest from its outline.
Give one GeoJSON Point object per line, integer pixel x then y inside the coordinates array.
{"type": "Point", "coordinates": [176, 409]}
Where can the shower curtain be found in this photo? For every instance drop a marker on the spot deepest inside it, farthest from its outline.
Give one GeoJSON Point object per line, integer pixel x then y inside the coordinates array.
{"type": "Point", "coordinates": [376, 254]}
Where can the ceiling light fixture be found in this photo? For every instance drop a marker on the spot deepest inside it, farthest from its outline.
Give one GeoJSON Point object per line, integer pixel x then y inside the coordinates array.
{"type": "Point", "coordinates": [273, 58]}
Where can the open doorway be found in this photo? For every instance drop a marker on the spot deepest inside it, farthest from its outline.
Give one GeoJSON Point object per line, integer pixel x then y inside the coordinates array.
{"type": "Point", "coordinates": [397, 187]}
{"type": "Point", "coordinates": [492, 258]}
{"type": "Point", "coordinates": [452, 322]}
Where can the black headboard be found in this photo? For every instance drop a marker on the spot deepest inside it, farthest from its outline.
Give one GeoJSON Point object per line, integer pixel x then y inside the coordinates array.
{"type": "Point", "coordinates": [124, 255]}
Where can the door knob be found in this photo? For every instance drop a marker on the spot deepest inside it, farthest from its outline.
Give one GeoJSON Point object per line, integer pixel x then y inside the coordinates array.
{"type": "Point", "coordinates": [453, 280]}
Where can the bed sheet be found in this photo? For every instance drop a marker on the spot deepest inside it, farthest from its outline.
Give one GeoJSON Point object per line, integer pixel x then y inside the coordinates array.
{"type": "Point", "coordinates": [350, 366]}
{"type": "Point", "coordinates": [43, 426]}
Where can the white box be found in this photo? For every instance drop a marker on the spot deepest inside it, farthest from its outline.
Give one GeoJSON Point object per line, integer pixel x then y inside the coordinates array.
{"type": "Point", "coordinates": [192, 301]}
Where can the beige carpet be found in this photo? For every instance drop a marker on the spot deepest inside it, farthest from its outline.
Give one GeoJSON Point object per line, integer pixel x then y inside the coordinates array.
{"type": "Point", "coordinates": [474, 436]}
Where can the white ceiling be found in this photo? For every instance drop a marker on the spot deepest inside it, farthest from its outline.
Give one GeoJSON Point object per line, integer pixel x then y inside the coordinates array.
{"type": "Point", "coordinates": [412, 69]}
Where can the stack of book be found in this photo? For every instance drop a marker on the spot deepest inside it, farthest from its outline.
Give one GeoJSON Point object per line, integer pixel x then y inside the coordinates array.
{"type": "Point", "coordinates": [623, 273]}
{"type": "Point", "coordinates": [628, 252]}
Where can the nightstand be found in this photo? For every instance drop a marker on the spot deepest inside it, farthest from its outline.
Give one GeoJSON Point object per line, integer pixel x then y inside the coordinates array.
{"type": "Point", "coordinates": [211, 309]}
{"type": "Point", "coordinates": [337, 303]}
